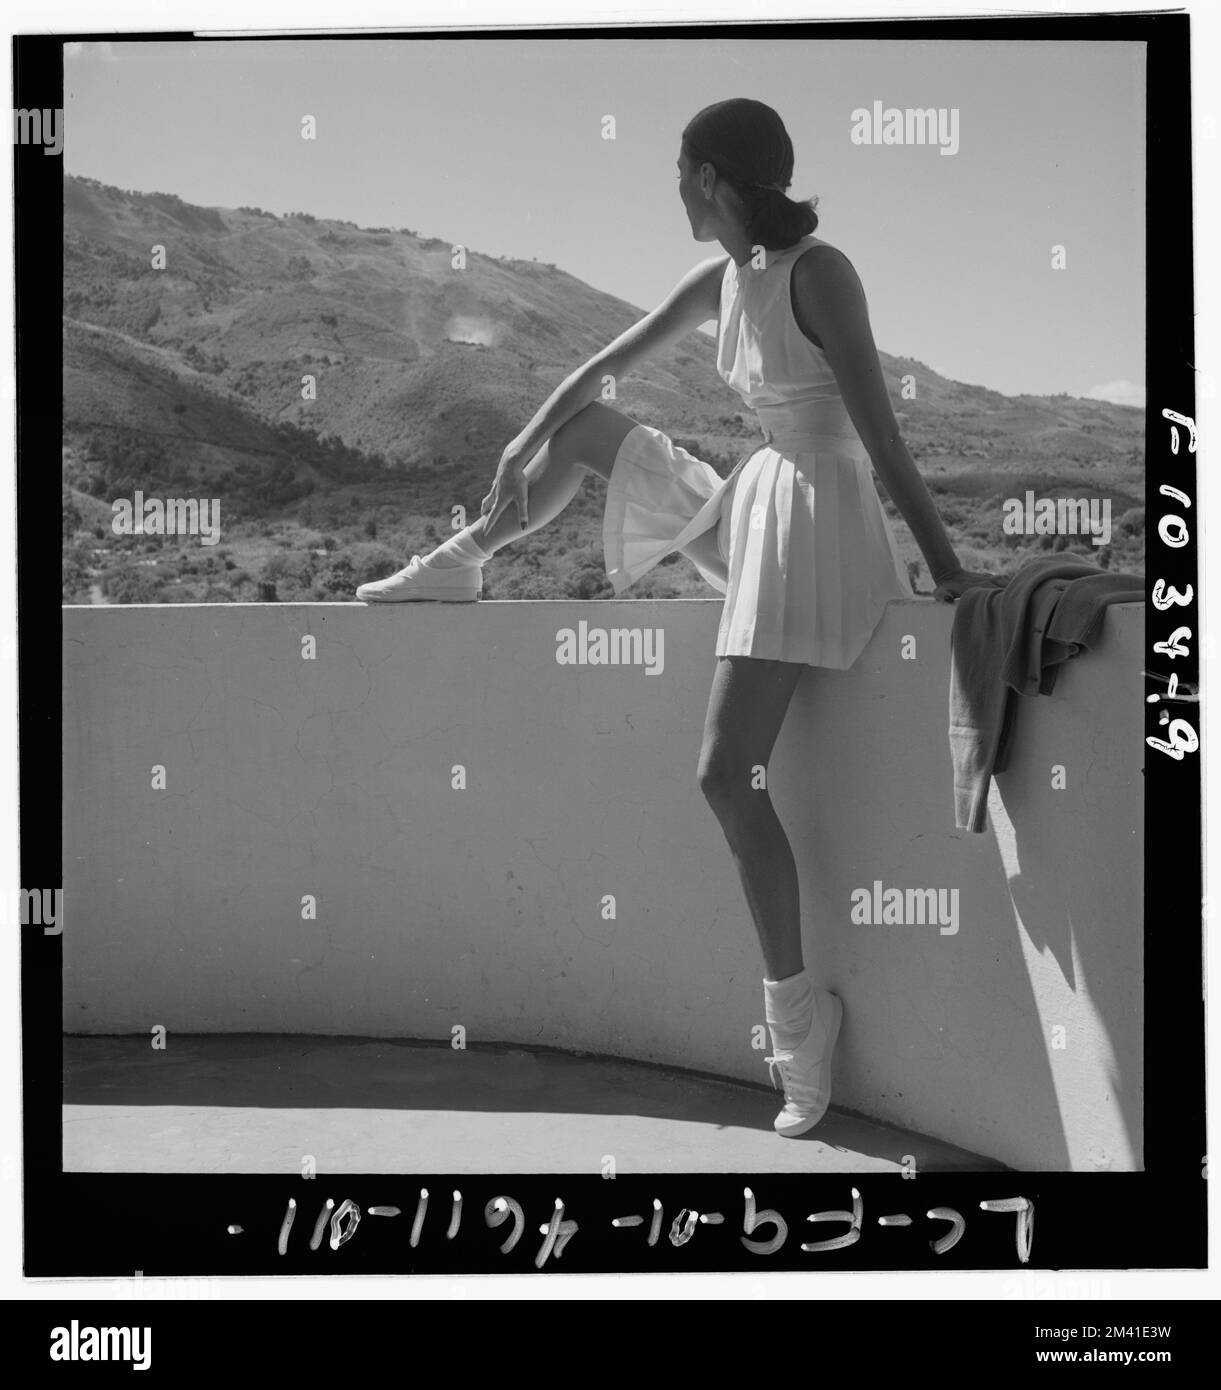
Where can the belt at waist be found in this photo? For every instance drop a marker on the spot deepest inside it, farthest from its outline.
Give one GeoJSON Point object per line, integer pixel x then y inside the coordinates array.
{"type": "Point", "coordinates": [799, 439]}
{"type": "Point", "coordinates": [797, 423]}
{"type": "Point", "coordinates": [806, 443]}
{"type": "Point", "coordinates": [821, 414]}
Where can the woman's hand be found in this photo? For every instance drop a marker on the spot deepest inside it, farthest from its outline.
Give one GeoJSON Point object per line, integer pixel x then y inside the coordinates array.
{"type": "Point", "coordinates": [954, 585]}
{"type": "Point", "coordinates": [508, 486]}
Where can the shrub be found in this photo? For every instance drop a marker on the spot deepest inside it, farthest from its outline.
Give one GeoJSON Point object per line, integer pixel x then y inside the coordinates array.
{"type": "Point", "coordinates": [130, 585]}
{"type": "Point", "coordinates": [292, 565]}
{"type": "Point", "coordinates": [338, 580]}
{"type": "Point", "coordinates": [532, 586]}
{"type": "Point", "coordinates": [1132, 523]}
{"type": "Point", "coordinates": [588, 583]}
{"type": "Point", "coordinates": [71, 516]}
{"type": "Point", "coordinates": [75, 578]}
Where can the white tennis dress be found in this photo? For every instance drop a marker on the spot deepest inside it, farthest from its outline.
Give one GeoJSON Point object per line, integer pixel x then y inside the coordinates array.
{"type": "Point", "coordinates": [811, 556]}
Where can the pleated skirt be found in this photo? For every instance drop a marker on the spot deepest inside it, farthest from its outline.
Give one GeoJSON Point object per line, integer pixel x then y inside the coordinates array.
{"type": "Point", "coordinates": [811, 557]}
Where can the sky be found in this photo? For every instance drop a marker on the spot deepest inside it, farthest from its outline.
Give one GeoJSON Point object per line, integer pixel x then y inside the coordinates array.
{"type": "Point", "coordinates": [498, 144]}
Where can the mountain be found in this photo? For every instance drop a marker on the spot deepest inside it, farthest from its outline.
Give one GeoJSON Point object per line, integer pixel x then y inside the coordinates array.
{"type": "Point", "coordinates": [188, 381]}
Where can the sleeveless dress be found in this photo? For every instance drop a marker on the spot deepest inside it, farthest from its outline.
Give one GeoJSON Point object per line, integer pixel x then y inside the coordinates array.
{"type": "Point", "coordinates": [811, 555]}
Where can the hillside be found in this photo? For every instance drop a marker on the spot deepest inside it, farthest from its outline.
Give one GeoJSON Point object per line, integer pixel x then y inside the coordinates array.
{"type": "Point", "coordinates": [187, 382]}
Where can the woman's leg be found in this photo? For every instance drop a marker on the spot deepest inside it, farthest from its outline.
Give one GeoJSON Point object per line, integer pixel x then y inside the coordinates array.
{"type": "Point", "coordinates": [585, 444]}
{"type": "Point", "coordinates": [748, 705]}
{"type": "Point", "coordinates": [588, 443]}
{"type": "Point", "coordinates": [745, 711]}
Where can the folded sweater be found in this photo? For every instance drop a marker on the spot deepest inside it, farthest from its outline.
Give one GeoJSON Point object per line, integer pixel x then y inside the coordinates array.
{"type": "Point", "coordinates": [1012, 636]}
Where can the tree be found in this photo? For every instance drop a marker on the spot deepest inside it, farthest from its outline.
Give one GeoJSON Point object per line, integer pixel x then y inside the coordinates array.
{"type": "Point", "coordinates": [131, 585]}
{"type": "Point", "coordinates": [338, 580]}
{"type": "Point", "coordinates": [71, 516]}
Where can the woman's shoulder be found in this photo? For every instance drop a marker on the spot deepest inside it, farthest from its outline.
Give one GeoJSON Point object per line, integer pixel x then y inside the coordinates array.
{"type": "Point", "coordinates": [811, 249]}
{"type": "Point", "coordinates": [818, 263]}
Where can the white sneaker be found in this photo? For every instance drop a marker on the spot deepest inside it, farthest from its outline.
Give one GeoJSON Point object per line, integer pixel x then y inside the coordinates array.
{"type": "Point", "coordinates": [419, 581]}
{"type": "Point", "coordinates": [806, 1069]}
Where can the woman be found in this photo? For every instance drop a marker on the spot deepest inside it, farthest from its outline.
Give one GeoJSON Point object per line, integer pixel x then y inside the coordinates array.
{"type": "Point", "coordinates": [795, 537]}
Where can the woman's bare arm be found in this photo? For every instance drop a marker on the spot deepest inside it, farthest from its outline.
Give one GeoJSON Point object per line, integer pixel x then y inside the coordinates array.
{"type": "Point", "coordinates": [694, 300]}
{"type": "Point", "coordinates": [829, 303]}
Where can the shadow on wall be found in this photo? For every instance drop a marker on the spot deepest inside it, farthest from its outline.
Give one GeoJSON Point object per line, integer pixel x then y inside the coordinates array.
{"type": "Point", "coordinates": [1019, 1032]}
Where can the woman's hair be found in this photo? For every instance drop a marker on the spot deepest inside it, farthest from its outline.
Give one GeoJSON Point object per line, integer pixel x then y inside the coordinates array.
{"type": "Point", "coordinates": [747, 144]}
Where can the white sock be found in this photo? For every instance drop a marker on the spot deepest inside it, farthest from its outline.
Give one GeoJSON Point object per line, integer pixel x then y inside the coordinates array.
{"type": "Point", "coordinates": [462, 549]}
{"type": "Point", "coordinates": [789, 1008]}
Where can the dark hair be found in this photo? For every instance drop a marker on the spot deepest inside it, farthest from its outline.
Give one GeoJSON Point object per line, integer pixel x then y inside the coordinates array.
{"type": "Point", "coordinates": [747, 144]}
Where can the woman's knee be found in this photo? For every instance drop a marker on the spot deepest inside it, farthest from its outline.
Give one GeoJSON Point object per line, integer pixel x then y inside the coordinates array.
{"type": "Point", "coordinates": [591, 438]}
{"type": "Point", "coordinates": [725, 779]}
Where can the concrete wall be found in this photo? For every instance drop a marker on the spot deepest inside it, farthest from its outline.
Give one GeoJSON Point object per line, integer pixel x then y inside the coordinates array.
{"type": "Point", "coordinates": [1018, 1037]}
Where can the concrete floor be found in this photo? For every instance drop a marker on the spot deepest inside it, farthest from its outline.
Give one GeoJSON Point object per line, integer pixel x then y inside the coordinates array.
{"type": "Point", "coordinates": [255, 1103]}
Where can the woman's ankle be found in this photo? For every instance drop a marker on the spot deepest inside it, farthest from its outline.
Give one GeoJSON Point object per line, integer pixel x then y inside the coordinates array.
{"type": "Point", "coordinates": [465, 548]}
{"type": "Point", "coordinates": [479, 534]}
